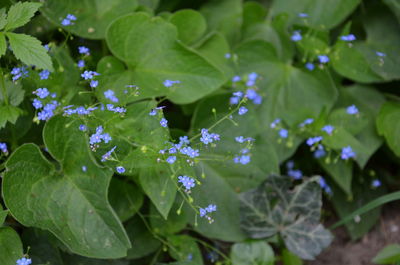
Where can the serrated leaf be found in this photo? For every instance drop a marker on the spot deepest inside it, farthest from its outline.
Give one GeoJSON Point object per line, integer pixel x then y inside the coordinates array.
{"type": "Point", "coordinates": [252, 252]}
{"type": "Point", "coordinates": [388, 125]}
{"type": "Point", "coordinates": [3, 18]}
{"type": "Point", "coordinates": [10, 246]}
{"type": "Point", "coordinates": [68, 202]}
{"type": "Point", "coordinates": [274, 208]}
{"type": "Point", "coordinates": [9, 113]}
{"type": "Point", "coordinates": [3, 44]}
{"type": "Point", "coordinates": [388, 255]}
{"type": "Point", "coordinates": [150, 48]}
{"type": "Point", "coordinates": [29, 50]}
{"type": "Point", "coordinates": [93, 16]}
{"type": "Point", "coordinates": [20, 13]}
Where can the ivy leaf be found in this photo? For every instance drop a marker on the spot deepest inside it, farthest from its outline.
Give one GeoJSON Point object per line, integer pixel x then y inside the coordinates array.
{"type": "Point", "coordinates": [10, 246]}
{"type": "Point", "coordinates": [150, 48]}
{"type": "Point", "coordinates": [20, 14]}
{"type": "Point", "coordinates": [252, 252]}
{"type": "Point", "coordinates": [93, 16]}
{"type": "Point", "coordinates": [274, 208]}
{"type": "Point", "coordinates": [29, 50]}
{"type": "Point", "coordinates": [388, 125]}
{"type": "Point", "coordinates": [68, 202]}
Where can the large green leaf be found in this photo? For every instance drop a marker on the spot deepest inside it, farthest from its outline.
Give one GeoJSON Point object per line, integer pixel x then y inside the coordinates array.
{"type": "Point", "coordinates": [29, 50]}
{"type": "Point", "coordinates": [252, 252]}
{"type": "Point", "coordinates": [321, 14]}
{"type": "Point", "coordinates": [10, 246]}
{"type": "Point", "coordinates": [65, 200]}
{"type": "Point", "coordinates": [274, 208]}
{"type": "Point", "coordinates": [149, 46]}
{"type": "Point", "coordinates": [388, 125]}
{"type": "Point", "coordinates": [20, 14]}
{"type": "Point", "coordinates": [93, 16]}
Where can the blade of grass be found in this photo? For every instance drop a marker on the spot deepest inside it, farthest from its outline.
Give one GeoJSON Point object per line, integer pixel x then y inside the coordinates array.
{"type": "Point", "coordinates": [369, 206]}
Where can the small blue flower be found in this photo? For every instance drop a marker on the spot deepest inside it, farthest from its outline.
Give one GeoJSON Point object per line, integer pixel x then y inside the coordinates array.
{"type": "Point", "coordinates": [41, 92]}
{"type": "Point", "coordinates": [94, 83]}
{"type": "Point", "coordinates": [323, 59]}
{"type": "Point", "coordinates": [347, 152]}
{"type": "Point", "coordinates": [236, 78]}
{"type": "Point", "coordinates": [184, 140]}
{"type": "Point", "coordinates": [324, 185]}
{"type": "Point", "coordinates": [82, 127]}
{"type": "Point", "coordinates": [320, 152]}
{"type": "Point", "coordinates": [211, 208]}
{"type": "Point", "coordinates": [187, 182]}
{"type": "Point", "coordinates": [203, 212]}
{"type": "Point", "coordinates": [250, 83]}
{"type": "Point", "coordinates": [71, 17]}
{"type": "Point", "coordinates": [290, 164]}
{"type": "Point", "coordinates": [107, 155]}
{"type": "Point", "coordinates": [328, 129]}
{"type": "Point", "coordinates": [310, 66]}
{"type": "Point", "coordinates": [376, 183]}
{"type": "Point", "coordinates": [296, 36]}
{"type": "Point", "coordinates": [171, 159]}
{"type": "Point", "coordinates": [352, 110]}
{"type": "Point", "coordinates": [170, 83]}
{"type": "Point", "coordinates": [172, 150]}
{"type": "Point", "coordinates": [380, 54]}
{"type": "Point", "coordinates": [306, 122]}
{"type": "Point", "coordinates": [350, 37]}
{"type": "Point", "coordinates": [234, 100]}
{"type": "Point", "coordinates": [274, 123]}
{"type": "Point", "coordinates": [120, 169]}
{"type": "Point", "coordinates": [83, 50]}
{"type": "Point", "coordinates": [46, 46]}
{"type": "Point", "coordinates": [302, 15]}
{"type": "Point", "coordinates": [242, 110]}
{"type": "Point", "coordinates": [164, 122]}
{"type": "Point", "coordinates": [189, 151]}
{"type": "Point", "coordinates": [313, 140]}
{"type": "Point", "coordinates": [283, 133]}
{"type": "Point", "coordinates": [109, 94]}
{"type": "Point", "coordinates": [37, 104]}
{"type": "Point", "coordinates": [19, 72]}
{"type": "Point", "coordinates": [153, 112]}
{"type": "Point", "coordinates": [295, 173]}
{"type": "Point", "coordinates": [252, 76]}
{"type": "Point", "coordinates": [207, 137]}
{"type": "Point", "coordinates": [89, 74]}
{"type": "Point", "coordinates": [24, 261]}
{"type": "Point", "coordinates": [44, 74]}
{"type": "Point", "coordinates": [228, 55]}
{"type": "Point", "coordinates": [84, 168]}
{"type": "Point", "coordinates": [81, 63]}
{"type": "Point", "coordinates": [66, 22]}
{"type": "Point", "coordinates": [3, 148]}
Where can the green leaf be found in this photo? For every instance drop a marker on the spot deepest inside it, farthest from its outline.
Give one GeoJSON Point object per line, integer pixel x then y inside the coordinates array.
{"type": "Point", "coordinates": [252, 252]}
{"type": "Point", "coordinates": [149, 46]}
{"type": "Point", "coordinates": [185, 248]}
{"type": "Point", "coordinates": [20, 14]}
{"type": "Point", "coordinates": [288, 258]}
{"type": "Point", "coordinates": [9, 114]}
{"type": "Point", "coordinates": [10, 246]}
{"type": "Point", "coordinates": [93, 16]}
{"type": "Point", "coordinates": [110, 65]}
{"type": "Point", "coordinates": [143, 241]}
{"type": "Point", "coordinates": [274, 208]}
{"type": "Point", "coordinates": [3, 18]}
{"type": "Point", "coordinates": [59, 199]}
{"type": "Point", "coordinates": [3, 44]}
{"type": "Point", "coordinates": [388, 255]}
{"type": "Point", "coordinates": [29, 50]}
{"type": "Point", "coordinates": [15, 93]}
{"type": "Point", "coordinates": [322, 15]}
{"type": "Point", "coordinates": [125, 198]}
{"type": "Point", "coordinates": [388, 125]}
{"type": "Point", "coordinates": [190, 24]}
{"type": "Point", "coordinates": [3, 216]}
{"type": "Point", "coordinates": [175, 222]}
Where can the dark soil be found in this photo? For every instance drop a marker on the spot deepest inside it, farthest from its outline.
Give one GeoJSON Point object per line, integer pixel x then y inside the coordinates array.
{"type": "Point", "coordinates": [343, 251]}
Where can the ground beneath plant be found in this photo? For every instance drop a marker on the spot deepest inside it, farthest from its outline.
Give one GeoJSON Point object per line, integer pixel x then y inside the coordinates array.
{"type": "Point", "coordinates": [343, 251]}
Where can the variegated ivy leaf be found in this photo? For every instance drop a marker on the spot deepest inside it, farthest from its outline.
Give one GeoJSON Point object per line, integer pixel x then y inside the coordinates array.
{"type": "Point", "coordinates": [273, 207]}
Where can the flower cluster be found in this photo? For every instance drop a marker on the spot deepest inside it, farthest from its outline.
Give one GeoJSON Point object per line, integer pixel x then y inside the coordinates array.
{"type": "Point", "coordinates": [292, 172]}
{"type": "Point", "coordinates": [80, 110]}
{"type": "Point", "coordinates": [170, 83]}
{"type": "Point", "coordinates": [207, 137]}
{"type": "Point", "coordinates": [182, 148]}
{"type": "Point", "coordinates": [45, 104]}
{"type": "Point", "coordinates": [24, 261]}
{"type": "Point", "coordinates": [98, 137]}
{"type": "Point", "coordinates": [19, 72]}
{"type": "Point", "coordinates": [44, 74]}
{"type": "Point", "coordinates": [324, 185]}
{"type": "Point", "coordinates": [187, 182]}
{"type": "Point", "coordinates": [204, 212]}
{"type": "Point", "coordinates": [107, 155]}
{"type": "Point", "coordinates": [68, 20]}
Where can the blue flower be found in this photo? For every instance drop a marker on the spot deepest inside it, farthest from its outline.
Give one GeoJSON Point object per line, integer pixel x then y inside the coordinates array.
{"type": "Point", "coordinates": [89, 74]}
{"type": "Point", "coordinates": [44, 74]}
{"type": "Point", "coordinates": [302, 15]}
{"type": "Point", "coordinates": [84, 168]}
{"type": "Point", "coordinates": [81, 63]}
{"type": "Point", "coordinates": [153, 112]}
{"type": "Point", "coordinates": [184, 140]}
{"type": "Point", "coordinates": [169, 83]}
{"type": "Point", "coordinates": [37, 104]}
{"type": "Point", "coordinates": [99, 136]}
{"type": "Point", "coordinates": [24, 261]}
{"type": "Point", "coordinates": [252, 76]}
{"type": "Point", "coordinates": [324, 185]}
{"type": "Point", "coordinates": [323, 58]}
{"type": "Point", "coordinates": [352, 110]}
{"type": "Point", "coordinates": [328, 129]}
{"type": "Point", "coordinates": [107, 155]}
{"type": "Point", "coordinates": [120, 169]}
{"type": "Point", "coordinates": [274, 123]}
{"type": "Point", "coordinates": [71, 17]}
{"type": "Point", "coordinates": [313, 140]}
{"type": "Point", "coordinates": [203, 212]}
{"type": "Point", "coordinates": [234, 100]}
{"type": "Point", "coordinates": [236, 78]}
{"type": "Point", "coordinates": [347, 152]}
{"type": "Point", "coordinates": [211, 208]}
{"type": "Point", "coordinates": [171, 159]}
{"type": "Point", "coordinates": [82, 127]}
{"type": "Point", "coordinates": [380, 54]}
{"type": "Point", "coordinates": [242, 159]}
{"type": "Point", "coordinates": [19, 72]}
{"type": "Point", "coordinates": [207, 137]}
{"type": "Point", "coordinates": [306, 122]}
{"type": "Point", "coordinates": [250, 83]}
{"type": "Point", "coordinates": [189, 151]}
{"type": "Point", "coordinates": [349, 37]}
{"type": "Point", "coordinates": [41, 92]}
{"type": "Point", "coordinates": [111, 107]}
{"type": "Point", "coordinates": [164, 122]}
{"type": "Point", "coordinates": [109, 94]}
{"type": "Point", "coordinates": [320, 152]}
{"type": "Point", "coordinates": [66, 22]}
{"type": "Point", "coordinates": [283, 133]}
{"type": "Point", "coordinates": [228, 55]}
{"type": "Point", "coordinates": [94, 83]}
{"type": "Point", "coordinates": [310, 66]}
{"type": "Point", "coordinates": [295, 173]}
{"type": "Point", "coordinates": [296, 36]}
{"type": "Point", "coordinates": [242, 110]}
{"type": "Point", "coordinates": [290, 164]}
{"type": "Point", "coordinates": [3, 148]}
{"type": "Point", "coordinates": [187, 182]}
{"type": "Point", "coordinates": [376, 183]}
{"type": "Point", "coordinates": [83, 50]}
